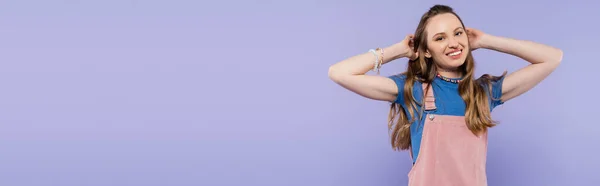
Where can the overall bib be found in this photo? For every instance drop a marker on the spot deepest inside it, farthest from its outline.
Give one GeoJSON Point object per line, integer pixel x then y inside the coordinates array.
{"type": "Point", "coordinates": [450, 154]}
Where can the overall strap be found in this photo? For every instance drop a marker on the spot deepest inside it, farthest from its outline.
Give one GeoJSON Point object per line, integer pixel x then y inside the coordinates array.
{"type": "Point", "coordinates": [428, 97]}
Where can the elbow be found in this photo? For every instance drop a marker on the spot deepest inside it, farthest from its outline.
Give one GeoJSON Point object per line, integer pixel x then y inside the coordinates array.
{"type": "Point", "coordinates": [338, 74]}
{"type": "Point", "coordinates": [558, 58]}
{"type": "Point", "coordinates": [553, 58]}
{"type": "Point", "coordinates": [334, 74]}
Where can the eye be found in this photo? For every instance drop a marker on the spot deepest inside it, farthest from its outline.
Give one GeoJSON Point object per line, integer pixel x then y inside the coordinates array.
{"type": "Point", "coordinates": [439, 38]}
{"type": "Point", "coordinates": [459, 33]}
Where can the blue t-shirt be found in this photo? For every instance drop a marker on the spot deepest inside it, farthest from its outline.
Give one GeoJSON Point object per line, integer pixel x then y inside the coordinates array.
{"type": "Point", "coordinates": [447, 101]}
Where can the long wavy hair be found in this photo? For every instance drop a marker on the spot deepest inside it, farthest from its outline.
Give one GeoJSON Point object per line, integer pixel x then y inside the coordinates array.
{"type": "Point", "coordinates": [477, 114]}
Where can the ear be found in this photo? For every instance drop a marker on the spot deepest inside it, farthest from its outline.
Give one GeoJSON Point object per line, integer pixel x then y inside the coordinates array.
{"type": "Point", "coordinates": [427, 54]}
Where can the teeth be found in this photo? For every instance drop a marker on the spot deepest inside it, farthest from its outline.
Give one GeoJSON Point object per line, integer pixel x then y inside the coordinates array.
{"type": "Point", "coordinates": [455, 53]}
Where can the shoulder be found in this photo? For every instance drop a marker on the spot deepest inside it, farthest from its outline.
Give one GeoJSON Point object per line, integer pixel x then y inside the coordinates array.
{"type": "Point", "coordinates": [398, 77]}
{"type": "Point", "coordinates": [492, 85]}
{"type": "Point", "coordinates": [401, 80]}
{"type": "Point", "coordinates": [488, 81]}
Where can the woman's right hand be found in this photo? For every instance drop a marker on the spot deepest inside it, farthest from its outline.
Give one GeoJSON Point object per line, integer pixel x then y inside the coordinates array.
{"type": "Point", "coordinates": [408, 46]}
{"type": "Point", "coordinates": [405, 48]}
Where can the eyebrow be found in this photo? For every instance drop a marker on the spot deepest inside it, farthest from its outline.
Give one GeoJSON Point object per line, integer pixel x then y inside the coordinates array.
{"type": "Point", "coordinates": [457, 28]}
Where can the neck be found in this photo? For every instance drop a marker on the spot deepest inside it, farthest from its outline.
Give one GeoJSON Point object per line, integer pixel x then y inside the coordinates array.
{"type": "Point", "coordinates": [450, 73]}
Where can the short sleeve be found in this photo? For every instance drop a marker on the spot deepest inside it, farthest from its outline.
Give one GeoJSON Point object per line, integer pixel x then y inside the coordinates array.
{"type": "Point", "coordinates": [496, 93]}
{"type": "Point", "coordinates": [400, 81]}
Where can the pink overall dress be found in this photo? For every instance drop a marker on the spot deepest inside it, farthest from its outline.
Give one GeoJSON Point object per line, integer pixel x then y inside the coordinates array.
{"type": "Point", "coordinates": [450, 154]}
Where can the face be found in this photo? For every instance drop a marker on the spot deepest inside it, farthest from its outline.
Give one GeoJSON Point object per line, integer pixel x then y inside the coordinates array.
{"type": "Point", "coordinates": [447, 41]}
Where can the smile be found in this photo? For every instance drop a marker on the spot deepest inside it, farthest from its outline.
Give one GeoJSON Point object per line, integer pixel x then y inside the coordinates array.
{"type": "Point", "coordinates": [455, 53]}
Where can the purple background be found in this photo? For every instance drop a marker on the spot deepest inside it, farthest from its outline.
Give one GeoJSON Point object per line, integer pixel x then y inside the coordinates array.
{"type": "Point", "coordinates": [180, 93]}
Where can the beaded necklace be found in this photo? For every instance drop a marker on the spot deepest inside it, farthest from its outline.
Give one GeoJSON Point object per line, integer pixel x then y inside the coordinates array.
{"type": "Point", "coordinates": [448, 79]}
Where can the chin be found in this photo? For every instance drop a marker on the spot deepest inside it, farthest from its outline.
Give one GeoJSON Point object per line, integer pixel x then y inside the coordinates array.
{"type": "Point", "coordinates": [453, 63]}
{"type": "Point", "coordinates": [457, 63]}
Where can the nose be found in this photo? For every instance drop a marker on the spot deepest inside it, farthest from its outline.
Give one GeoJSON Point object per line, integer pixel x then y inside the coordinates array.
{"type": "Point", "coordinates": [452, 42]}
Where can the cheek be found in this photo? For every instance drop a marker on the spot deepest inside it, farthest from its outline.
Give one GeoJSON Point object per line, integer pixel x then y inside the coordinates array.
{"type": "Point", "coordinates": [438, 50]}
{"type": "Point", "coordinates": [464, 41]}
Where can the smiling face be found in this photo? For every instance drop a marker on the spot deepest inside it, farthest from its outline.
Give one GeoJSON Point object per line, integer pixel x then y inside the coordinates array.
{"type": "Point", "coordinates": [447, 41]}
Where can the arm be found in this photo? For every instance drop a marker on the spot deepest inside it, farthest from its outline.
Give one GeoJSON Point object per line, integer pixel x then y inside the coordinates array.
{"type": "Point", "coordinates": [350, 73]}
{"type": "Point", "coordinates": [544, 59]}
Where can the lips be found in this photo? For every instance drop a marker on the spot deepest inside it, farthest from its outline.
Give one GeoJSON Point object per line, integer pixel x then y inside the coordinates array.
{"type": "Point", "coordinates": [454, 54]}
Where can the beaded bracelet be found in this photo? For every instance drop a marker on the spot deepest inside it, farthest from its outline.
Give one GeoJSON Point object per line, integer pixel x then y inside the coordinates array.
{"type": "Point", "coordinates": [380, 61]}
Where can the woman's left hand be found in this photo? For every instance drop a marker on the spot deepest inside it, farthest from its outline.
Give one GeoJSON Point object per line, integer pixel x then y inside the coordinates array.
{"type": "Point", "coordinates": [475, 38]}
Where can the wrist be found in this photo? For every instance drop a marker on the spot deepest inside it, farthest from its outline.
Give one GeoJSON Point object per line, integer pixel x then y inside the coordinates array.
{"type": "Point", "coordinates": [487, 41]}
{"type": "Point", "coordinates": [395, 52]}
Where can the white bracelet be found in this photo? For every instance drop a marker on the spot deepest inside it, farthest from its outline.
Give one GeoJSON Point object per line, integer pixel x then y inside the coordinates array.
{"type": "Point", "coordinates": [376, 65]}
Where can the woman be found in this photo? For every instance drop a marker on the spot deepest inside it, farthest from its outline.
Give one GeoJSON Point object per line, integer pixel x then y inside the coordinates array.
{"type": "Point", "coordinates": [439, 110]}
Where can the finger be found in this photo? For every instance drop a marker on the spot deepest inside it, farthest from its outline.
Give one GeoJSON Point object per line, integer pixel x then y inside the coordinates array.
{"type": "Point", "coordinates": [469, 30]}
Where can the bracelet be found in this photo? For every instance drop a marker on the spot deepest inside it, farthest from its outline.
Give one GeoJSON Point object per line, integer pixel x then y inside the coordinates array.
{"type": "Point", "coordinates": [375, 66]}
{"type": "Point", "coordinates": [380, 61]}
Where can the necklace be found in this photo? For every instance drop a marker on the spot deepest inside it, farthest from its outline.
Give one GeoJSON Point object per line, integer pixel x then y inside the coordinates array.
{"type": "Point", "coordinates": [448, 79]}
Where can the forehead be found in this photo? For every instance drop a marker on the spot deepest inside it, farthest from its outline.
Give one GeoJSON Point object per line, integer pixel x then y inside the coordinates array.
{"type": "Point", "coordinates": [443, 23]}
